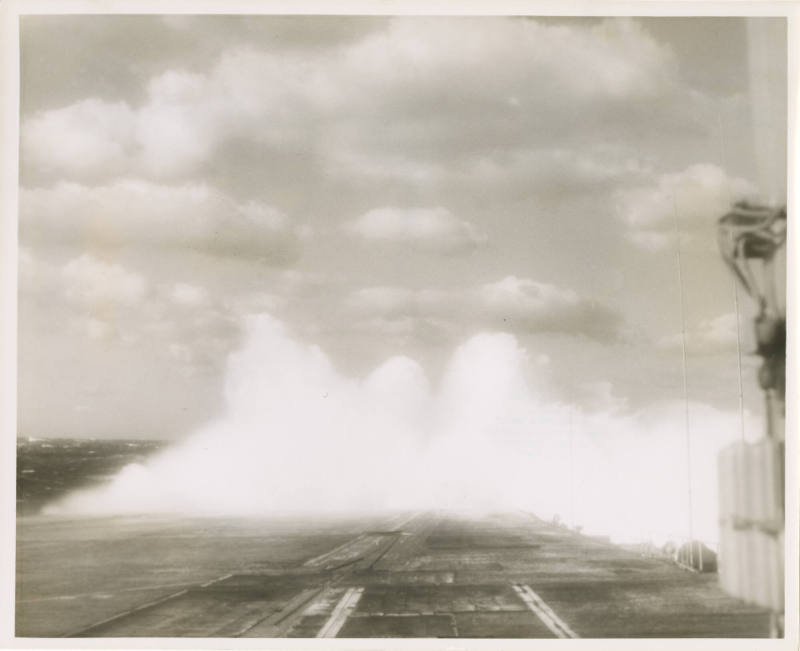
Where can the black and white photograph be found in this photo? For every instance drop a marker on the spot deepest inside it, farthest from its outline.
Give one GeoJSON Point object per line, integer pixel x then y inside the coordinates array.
{"type": "Point", "coordinates": [399, 324]}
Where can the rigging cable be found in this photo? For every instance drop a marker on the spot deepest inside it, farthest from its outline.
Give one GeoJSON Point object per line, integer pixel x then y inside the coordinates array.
{"type": "Point", "coordinates": [724, 152]}
{"type": "Point", "coordinates": [685, 384]}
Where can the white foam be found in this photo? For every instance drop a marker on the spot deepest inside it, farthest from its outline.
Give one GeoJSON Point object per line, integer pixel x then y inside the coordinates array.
{"type": "Point", "coordinates": [299, 436]}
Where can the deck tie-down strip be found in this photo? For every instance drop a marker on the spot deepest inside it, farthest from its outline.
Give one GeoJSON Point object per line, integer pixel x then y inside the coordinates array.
{"type": "Point", "coordinates": [543, 611]}
{"type": "Point", "coordinates": [146, 606]}
{"type": "Point", "coordinates": [344, 608]}
{"type": "Point", "coordinates": [317, 560]}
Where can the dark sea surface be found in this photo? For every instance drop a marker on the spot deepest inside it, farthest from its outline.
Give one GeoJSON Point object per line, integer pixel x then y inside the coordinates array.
{"type": "Point", "coordinates": [48, 469]}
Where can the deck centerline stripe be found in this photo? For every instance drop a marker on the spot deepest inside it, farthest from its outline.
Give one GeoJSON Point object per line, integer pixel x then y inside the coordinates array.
{"type": "Point", "coordinates": [324, 557]}
{"type": "Point", "coordinates": [544, 606]}
{"type": "Point", "coordinates": [217, 580]}
{"type": "Point", "coordinates": [344, 608]}
{"type": "Point", "coordinates": [546, 614]}
{"type": "Point", "coordinates": [279, 618]}
{"type": "Point", "coordinates": [544, 617]}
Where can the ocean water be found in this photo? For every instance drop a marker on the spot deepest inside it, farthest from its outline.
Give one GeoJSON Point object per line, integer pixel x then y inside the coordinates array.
{"type": "Point", "coordinates": [49, 468]}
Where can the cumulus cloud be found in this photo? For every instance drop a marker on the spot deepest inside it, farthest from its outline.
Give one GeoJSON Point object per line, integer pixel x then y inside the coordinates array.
{"type": "Point", "coordinates": [391, 301]}
{"type": "Point", "coordinates": [600, 396]}
{"type": "Point", "coordinates": [489, 80]}
{"type": "Point", "coordinates": [89, 297]}
{"type": "Point", "coordinates": [89, 282]}
{"type": "Point", "coordinates": [626, 60]}
{"type": "Point", "coordinates": [402, 314]}
{"type": "Point", "coordinates": [715, 335]}
{"type": "Point", "coordinates": [101, 301]}
{"type": "Point", "coordinates": [188, 295]}
{"type": "Point", "coordinates": [430, 229]}
{"type": "Point", "coordinates": [88, 139]}
{"type": "Point", "coordinates": [695, 196]}
{"type": "Point", "coordinates": [479, 115]}
{"type": "Point", "coordinates": [36, 277]}
{"type": "Point", "coordinates": [144, 214]}
{"type": "Point", "coordinates": [519, 305]}
{"type": "Point", "coordinates": [556, 171]}
{"type": "Point", "coordinates": [98, 329]}
{"type": "Point", "coordinates": [540, 307]}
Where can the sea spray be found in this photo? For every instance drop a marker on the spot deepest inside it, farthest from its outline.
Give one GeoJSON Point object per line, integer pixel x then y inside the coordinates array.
{"type": "Point", "coordinates": [297, 436]}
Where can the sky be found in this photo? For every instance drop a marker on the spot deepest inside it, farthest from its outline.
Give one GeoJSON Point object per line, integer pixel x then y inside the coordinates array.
{"type": "Point", "coordinates": [384, 186]}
